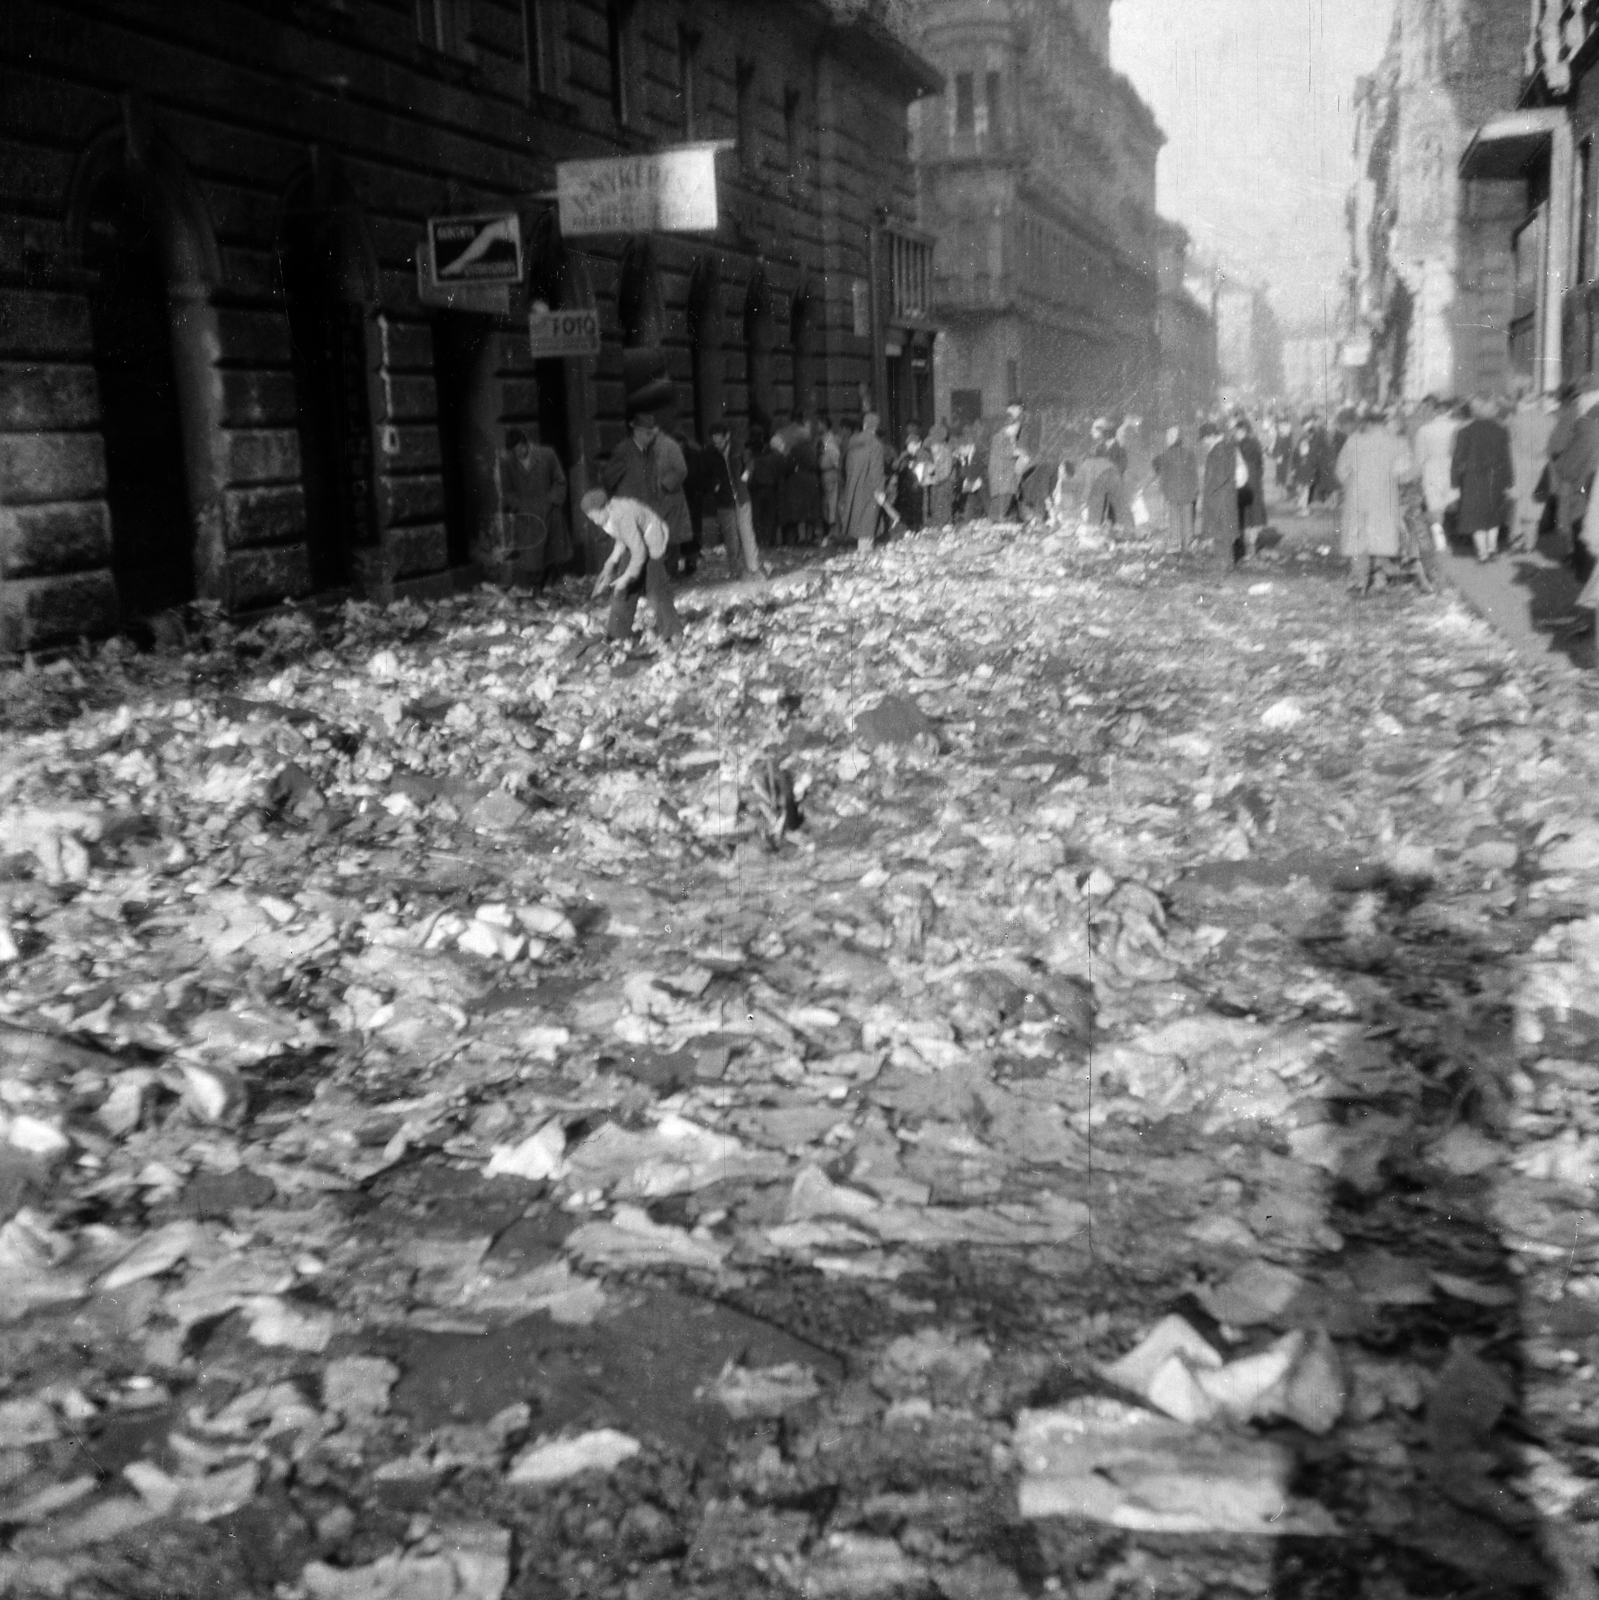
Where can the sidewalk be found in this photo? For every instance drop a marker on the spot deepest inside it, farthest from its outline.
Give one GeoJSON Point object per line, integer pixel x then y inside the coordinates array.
{"type": "Point", "coordinates": [1523, 596]}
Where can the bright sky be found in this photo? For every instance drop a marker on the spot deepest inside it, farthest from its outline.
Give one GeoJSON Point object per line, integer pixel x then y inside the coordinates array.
{"type": "Point", "coordinates": [1256, 100]}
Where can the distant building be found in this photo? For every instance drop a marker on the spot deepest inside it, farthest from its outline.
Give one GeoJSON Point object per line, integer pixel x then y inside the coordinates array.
{"type": "Point", "coordinates": [1186, 332]}
{"type": "Point", "coordinates": [1434, 244]}
{"type": "Point", "coordinates": [1037, 178]}
{"type": "Point", "coordinates": [1249, 342]}
{"type": "Point", "coordinates": [225, 373]}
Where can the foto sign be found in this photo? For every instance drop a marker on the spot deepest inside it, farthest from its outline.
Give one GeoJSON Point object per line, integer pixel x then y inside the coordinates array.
{"type": "Point", "coordinates": [563, 333]}
{"type": "Point", "coordinates": [666, 191]}
{"type": "Point", "coordinates": [480, 249]}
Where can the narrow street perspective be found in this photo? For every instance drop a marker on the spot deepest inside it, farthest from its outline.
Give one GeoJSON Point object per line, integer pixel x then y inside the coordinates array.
{"type": "Point", "coordinates": [794, 803]}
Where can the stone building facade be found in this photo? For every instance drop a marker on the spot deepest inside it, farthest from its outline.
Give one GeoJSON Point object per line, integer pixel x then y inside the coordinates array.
{"type": "Point", "coordinates": [1037, 175]}
{"type": "Point", "coordinates": [223, 375]}
{"type": "Point", "coordinates": [1186, 333]}
{"type": "Point", "coordinates": [1433, 264]}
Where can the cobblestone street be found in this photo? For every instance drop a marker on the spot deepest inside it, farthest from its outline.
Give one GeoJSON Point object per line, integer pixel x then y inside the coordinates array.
{"type": "Point", "coordinates": [1013, 1064]}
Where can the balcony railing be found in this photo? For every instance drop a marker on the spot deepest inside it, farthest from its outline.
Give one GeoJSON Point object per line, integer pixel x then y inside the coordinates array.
{"type": "Point", "coordinates": [909, 264]}
{"type": "Point", "coordinates": [1560, 29]}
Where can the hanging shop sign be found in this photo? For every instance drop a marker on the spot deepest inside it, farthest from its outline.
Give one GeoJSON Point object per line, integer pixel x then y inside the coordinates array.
{"type": "Point", "coordinates": [665, 191]}
{"type": "Point", "coordinates": [563, 333]}
{"type": "Point", "coordinates": [483, 299]}
{"type": "Point", "coordinates": [481, 249]}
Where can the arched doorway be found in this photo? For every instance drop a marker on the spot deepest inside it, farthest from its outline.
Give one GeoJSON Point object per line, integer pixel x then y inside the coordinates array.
{"type": "Point", "coordinates": [705, 342]}
{"type": "Point", "coordinates": [805, 338]}
{"type": "Point", "coordinates": [760, 340]}
{"type": "Point", "coordinates": [139, 231]}
{"type": "Point", "coordinates": [329, 274]}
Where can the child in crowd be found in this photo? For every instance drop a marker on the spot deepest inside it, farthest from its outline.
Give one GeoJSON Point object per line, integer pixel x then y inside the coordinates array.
{"type": "Point", "coordinates": [641, 540]}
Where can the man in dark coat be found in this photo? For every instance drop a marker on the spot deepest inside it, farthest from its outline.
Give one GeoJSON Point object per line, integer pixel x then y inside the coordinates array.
{"type": "Point", "coordinates": [1252, 495]}
{"type": "Point", "coordinates": [1178, 471]}
{"type": "Point", "coordinates": [632, 472]}
{"type": "Point", "coordinates": [1483, 473]}
{"type": "Point", "coordinates": [1219, 499]}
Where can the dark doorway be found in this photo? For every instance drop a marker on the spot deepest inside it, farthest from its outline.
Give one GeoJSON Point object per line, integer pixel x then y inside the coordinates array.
{"type": "Point", "coordinates": [152, 526]}
{"type": "Point", "coordinates": [328, 332]}
{"type": "Point", "coordinates": [469, 416]}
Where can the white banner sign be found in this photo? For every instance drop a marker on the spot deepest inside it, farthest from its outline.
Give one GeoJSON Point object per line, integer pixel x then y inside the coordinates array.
{"type": "Point", "coordinates": [563, 333]}
{"type": "Point", "coordinates": [668, 191]}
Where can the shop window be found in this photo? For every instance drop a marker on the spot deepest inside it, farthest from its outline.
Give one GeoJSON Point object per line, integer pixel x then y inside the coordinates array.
{"type": "Point", "coordinates": [445, 26]}
{"type": "Point", "coordinates": [965, 110]}
{"type": "Point", "coordinates": [744, 112]}
{"type": "Point", "coordinates": [688, 48]}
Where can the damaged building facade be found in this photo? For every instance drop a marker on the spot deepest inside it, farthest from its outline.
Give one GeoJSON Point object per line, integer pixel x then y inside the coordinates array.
{"type": "Point", "coordinates": [227, 375]}
{"type": "Point", "coordinates": [1435, 244]}
{"type": "Point", "coordinates": [1037, 175]}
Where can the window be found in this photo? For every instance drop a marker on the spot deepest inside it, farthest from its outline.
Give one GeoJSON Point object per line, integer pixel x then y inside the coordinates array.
{"type": "Point", "coordinates": [748, 155]}
{"type": "Point", "coordinates": [996, 129]}
{"type": "Point", "coordinates": [1585, 211]}
{"type": "Point", "coordinates": [793, 133]}
{"type": "Point", "coordinates": [963, 102]}
{"type": "Point", "coordinates": [616, 46]}
{"type": "Point", "coordinates": [688, 45]}
{"type": "Point", "coordinates": [445, 26]}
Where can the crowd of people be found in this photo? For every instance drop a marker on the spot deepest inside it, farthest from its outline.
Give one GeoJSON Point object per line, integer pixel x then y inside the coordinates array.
{"type": "Point", "coordinates": [1405, 482]}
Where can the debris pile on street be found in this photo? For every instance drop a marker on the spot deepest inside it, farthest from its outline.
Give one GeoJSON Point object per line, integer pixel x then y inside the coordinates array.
{"type": "Point", "coordinates": [1007, 1064]}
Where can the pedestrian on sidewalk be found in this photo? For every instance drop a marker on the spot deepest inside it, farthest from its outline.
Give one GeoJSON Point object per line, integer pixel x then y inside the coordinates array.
{"type": "Point", "coordinates": [1252, 485]}
{"type": "Point", "coordinates": [1372, 469]}
{"type": "Point", "coordinates": [1573, 459]}
{"type": "Point", "coordinates": [1531, 426]}
{"type": "Point", "coordinates": [910, 469]}
{"type": "Point", "coordinates": [799, 497]}
{"type": "Point", "coordinates": [1435, 454]}
{"type": "Point", "coordinates": [729, 499]}
{"type": "Point", "coordinates": [765, 476]}
{"type": "Point", "coordinates": [865, 473]}
{"type": "Point", "coordinates": [1313, 463]}
{"type": "Point", "coordinates": [971, 467]}
{"type": "Point", "coordinates": [1219, 495]}
{"type": "Point", "coordinates": [671, 478]}
{"type": "Point", "coordinates": [1178, 471]}
{"type": "Point", "coordinates": [1481, 470]}
{"type": "Point", "coordinates": [830, 463]}
{"type": "Point", "coordinates": [533, 498]}
{"type": "Point", "coordinates": [940, 477]}
{"type": "Point", "coordinates": [1007, 461]}
{"type": "Point", "coordinates": [636, 565]}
